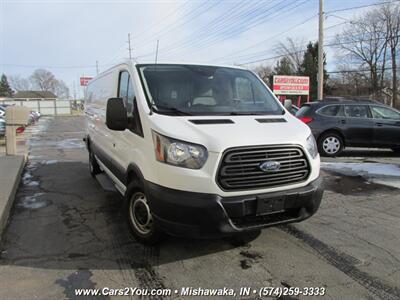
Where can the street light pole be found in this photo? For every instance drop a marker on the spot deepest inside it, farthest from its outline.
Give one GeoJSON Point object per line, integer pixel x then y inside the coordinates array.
{"type": "Point", "coordinates": [321, 51]}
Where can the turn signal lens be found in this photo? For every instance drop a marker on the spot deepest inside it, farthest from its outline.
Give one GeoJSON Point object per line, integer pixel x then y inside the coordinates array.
{"type": "Point", "coordinates": [306, 119]}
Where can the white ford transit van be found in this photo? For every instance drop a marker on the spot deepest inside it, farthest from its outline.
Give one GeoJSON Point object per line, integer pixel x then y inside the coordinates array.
{"type": "Point", "coordinates": [199, 150]}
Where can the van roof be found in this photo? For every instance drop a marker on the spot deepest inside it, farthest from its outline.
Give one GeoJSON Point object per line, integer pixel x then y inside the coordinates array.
{"type": "Point", "coordinates": [189, 63]}
{"type": "Point", "coordinates": [135, 63]}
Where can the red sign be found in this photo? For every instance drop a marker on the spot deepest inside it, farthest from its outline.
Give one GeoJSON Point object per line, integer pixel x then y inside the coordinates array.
{"type": "Point", "coordinates": [85, 80]}
{"type": "Point", "coordinates": [291, 85]}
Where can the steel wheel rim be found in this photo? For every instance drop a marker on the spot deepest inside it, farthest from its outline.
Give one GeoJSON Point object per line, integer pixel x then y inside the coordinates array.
{"type": "Point", "coordinates": [331, 145]}
{"type": "Point", "coordinates": [139, 213]}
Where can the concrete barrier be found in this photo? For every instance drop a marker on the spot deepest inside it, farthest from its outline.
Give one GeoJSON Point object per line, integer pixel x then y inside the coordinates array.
{"type": "Point", "coordinates": [11, 168]}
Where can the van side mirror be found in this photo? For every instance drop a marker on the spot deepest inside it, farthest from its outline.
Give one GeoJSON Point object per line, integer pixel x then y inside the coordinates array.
{"type": "Point", "coordinates": [116, 117]}
{"type": "Point", "coordinates": [288, 104]}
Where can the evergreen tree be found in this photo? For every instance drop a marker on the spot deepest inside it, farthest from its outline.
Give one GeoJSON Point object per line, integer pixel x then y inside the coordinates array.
{"type": "Point", "coordinates": [5, 89]}
{"type": "Point", "coordinates": [309, 68]}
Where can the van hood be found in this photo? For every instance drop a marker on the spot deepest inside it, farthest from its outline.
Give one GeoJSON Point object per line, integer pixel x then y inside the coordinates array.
{"type": "Point", "coordinates": [218, 133]}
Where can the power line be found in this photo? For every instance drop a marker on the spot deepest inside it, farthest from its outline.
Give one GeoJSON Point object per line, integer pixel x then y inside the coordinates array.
{"type": "Point", "coordinates": [268, 39]}
{"type": "Point", "coordinates": [49, 67]}
{"type": "Point", "coordinates": [361, 6]}
{"type": "Point", "coordinates": [304, 50]}
{"type": "Point", "coordinates": [165, 17]}
{"type": "Point", "coordinates": [218, 23]}
{"type": "Point", "coordinates": [229, 32]}
{"type": "Point", "coordinates": [182, 21]}
{"type": "Point", "coordinates": [359, 70]}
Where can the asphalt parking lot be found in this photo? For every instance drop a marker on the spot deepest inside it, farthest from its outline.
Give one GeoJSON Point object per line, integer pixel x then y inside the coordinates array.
{"type": "Point", "coordinates": [66, 232]}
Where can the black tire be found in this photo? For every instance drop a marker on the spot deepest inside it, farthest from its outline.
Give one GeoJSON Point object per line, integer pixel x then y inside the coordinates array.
{"type": "Point", "coordinates": [330, 144]}
{"type": "Point", "coordinates": [94, 167]}
{"type": "Point", "coordinates": [138, 215]}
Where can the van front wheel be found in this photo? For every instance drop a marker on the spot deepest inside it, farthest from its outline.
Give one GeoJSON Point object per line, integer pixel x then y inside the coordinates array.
{"type": "Point", "coordinates": [139, 216]}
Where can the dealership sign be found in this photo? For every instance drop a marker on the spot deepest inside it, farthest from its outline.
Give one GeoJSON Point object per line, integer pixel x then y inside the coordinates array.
{"type": "Point", "coordinates": [291, 85]}
{"type": "Point", "coordinates": [85, 80]}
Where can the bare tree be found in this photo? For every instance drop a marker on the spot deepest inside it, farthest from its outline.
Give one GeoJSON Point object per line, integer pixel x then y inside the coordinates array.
{"type": "Point", "coordinates": [265, 72]}
{"type": "Point", "coordinates": [43, 80]}
{"type": "Point", "coordinates": [46, 81]}
{"type": "Point", "coordinates": [349, 84]}
{"type": "Point", "coordinates": [364, 43]}
{"type": "Point", "coordinates": [61, 90]}
{"type": "Point", "coordinates": [390, 16]}
{"type": "Point", "coordinates": [19, 83]}
{"type": "Point", "coordinates": [294, 51]}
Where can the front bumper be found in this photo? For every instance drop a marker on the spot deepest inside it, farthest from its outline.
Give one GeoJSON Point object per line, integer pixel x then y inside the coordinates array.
{"type": "Point", "coordinates": [192, 214]}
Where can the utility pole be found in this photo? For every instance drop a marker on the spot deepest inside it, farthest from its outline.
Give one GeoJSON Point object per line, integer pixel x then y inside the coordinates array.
{"type": "Point", "coordinates": [97, 67]}
{"type": "Point", "coordinates": [129, 46]}
{"type": "Point", "coordinates": [321, 51]}
{"type": "Point", "coordinates": [74, 87]}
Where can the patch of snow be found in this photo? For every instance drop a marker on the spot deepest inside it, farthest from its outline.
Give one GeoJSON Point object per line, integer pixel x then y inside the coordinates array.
{"type": "Point", "coordinates": [31, 202]}
{"type": "Point", "coordinates": [385, 174]}
{"type": "Point", "coordinates": [51, 162]}
{"type": "Point", "coordinates": [363, 169]}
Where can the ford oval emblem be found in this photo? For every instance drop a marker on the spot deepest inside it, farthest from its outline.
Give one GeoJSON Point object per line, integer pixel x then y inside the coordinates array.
{"type": "Point", "coordinates": [270, 166]}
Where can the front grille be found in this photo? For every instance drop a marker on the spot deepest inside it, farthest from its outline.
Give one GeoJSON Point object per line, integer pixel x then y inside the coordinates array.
{"type": "Point", "coordinates": [240, 167]}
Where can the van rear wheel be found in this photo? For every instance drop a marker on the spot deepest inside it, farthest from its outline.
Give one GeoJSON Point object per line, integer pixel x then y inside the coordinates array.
{"type": "Point", "coordinates": [139, 216]}
{"type": "Point", "coordinates": [94, 167]}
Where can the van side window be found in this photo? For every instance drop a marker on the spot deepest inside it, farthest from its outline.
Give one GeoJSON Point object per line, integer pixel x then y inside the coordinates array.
{"type": "Point", "coordinates": [123, 86]}
{"type": "Point", "coordinates": [127, 93]}
{"type": "Point", "coordinates": [130, 98]}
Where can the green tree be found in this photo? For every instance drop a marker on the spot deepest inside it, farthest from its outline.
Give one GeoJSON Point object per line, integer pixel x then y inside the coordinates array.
{"type": "Point", "coordinates": [309, 68]}
{"type": "Point", "coordinates": [5, 89]}
{"type": "Point", "coordinates": [284, 67]}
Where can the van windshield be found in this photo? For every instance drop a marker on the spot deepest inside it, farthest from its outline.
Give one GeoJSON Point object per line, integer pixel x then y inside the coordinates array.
{"type": "Point", "coordinates": [205, 90]}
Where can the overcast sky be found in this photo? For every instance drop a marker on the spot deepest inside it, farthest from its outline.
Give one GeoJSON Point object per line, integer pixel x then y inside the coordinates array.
{"type": "Point", "coordinates": [68, 37]}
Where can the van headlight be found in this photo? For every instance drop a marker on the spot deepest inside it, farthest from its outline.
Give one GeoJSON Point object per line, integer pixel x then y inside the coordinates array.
{"type": "Point", "coordinates": [311, 146]}
{"type": "Point", "coordinates": [179, 153]}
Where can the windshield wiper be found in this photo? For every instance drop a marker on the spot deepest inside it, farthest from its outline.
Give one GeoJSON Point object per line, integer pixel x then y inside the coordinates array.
{"type": "Point", "coordinates": [169, 109]}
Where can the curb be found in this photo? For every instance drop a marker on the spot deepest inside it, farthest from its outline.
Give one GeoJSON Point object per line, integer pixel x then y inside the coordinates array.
{"type": "Point", "coordinates": [10, 186]}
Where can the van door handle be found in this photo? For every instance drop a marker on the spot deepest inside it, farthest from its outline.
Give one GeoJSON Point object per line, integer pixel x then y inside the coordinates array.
{"type": "Point", "coordinates": [379, 124]}
{"type": "Point", "coordinates": [343, 121]}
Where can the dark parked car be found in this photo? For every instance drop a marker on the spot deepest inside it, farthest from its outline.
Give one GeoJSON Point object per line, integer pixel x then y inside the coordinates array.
{"type": "Point", "coordinates": [341, 123]}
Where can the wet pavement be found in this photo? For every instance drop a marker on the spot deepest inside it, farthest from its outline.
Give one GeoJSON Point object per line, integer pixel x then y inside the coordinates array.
{"type": "Point", "coordinates": [67, 232]}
